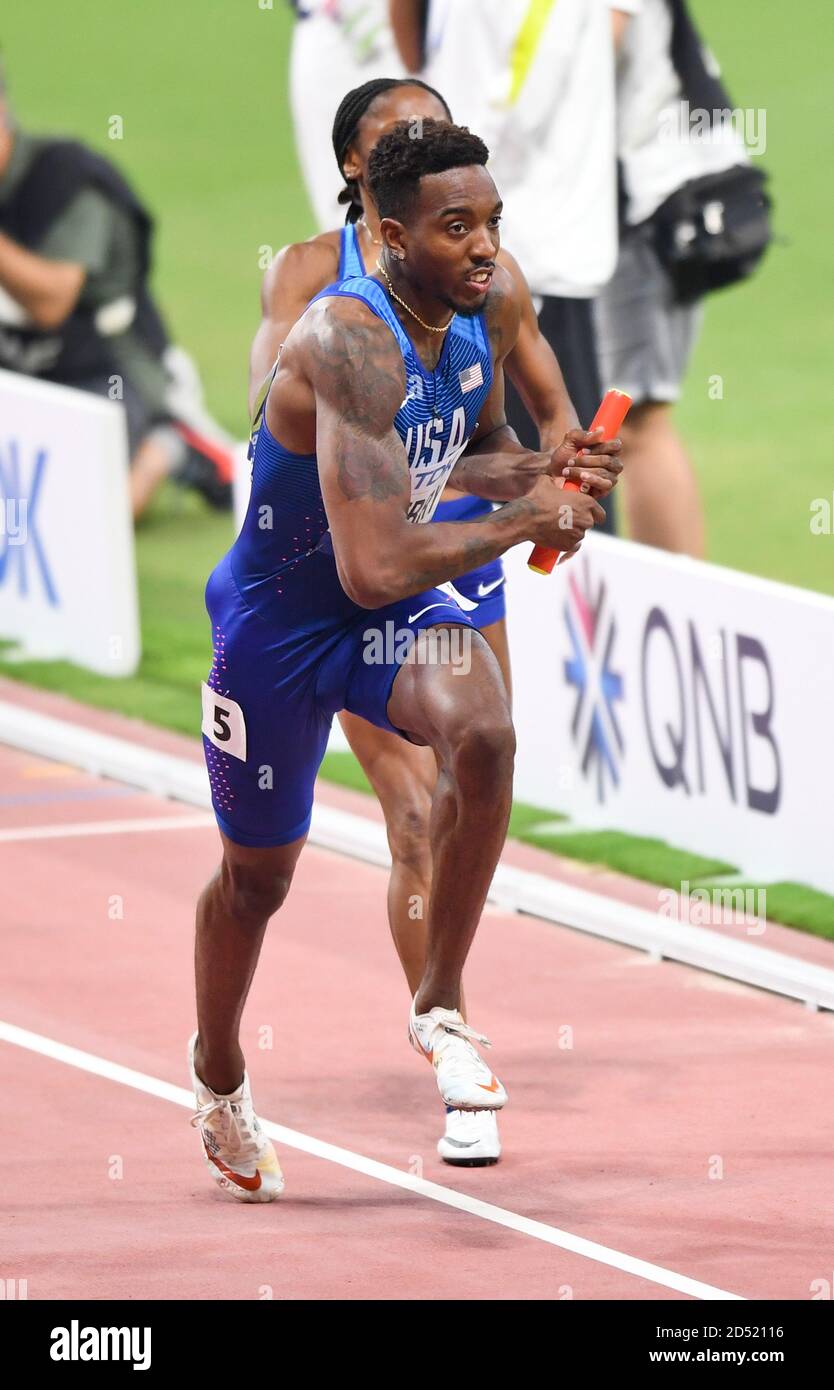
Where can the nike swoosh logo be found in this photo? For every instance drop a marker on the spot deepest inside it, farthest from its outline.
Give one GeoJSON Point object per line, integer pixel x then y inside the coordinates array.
{"type": "Point", "coordinates": [412, 617]}
{"type": "Point", "coordinates": [493, 1085]}
{"type": "Point", "coordinates": [250, 1184]}
{"type": "Point", "coordinates": [484, 589]}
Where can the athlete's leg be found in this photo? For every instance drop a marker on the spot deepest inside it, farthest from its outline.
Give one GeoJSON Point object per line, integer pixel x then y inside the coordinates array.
{"type": "Point", "coordinates": [465, 719]}
{"type": "Point", "coordinates": [232, 913]}
{"type": "Point", "coordinates": [264, 737]}
{"type": "Point", "coordinates": [403, 777]}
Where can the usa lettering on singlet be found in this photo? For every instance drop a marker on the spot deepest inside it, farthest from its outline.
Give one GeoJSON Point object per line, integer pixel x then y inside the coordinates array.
{"type": "Point", "coordinates": [429, 467]}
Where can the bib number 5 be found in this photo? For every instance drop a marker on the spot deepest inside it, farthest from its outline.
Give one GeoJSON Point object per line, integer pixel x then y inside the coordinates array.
{"type": "Point", "coordinates": [223, 723]}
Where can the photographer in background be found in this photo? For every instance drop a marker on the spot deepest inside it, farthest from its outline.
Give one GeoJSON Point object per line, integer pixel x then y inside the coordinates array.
{"type": "Point", "coordinates": [75, 309]}
{"type": "Point", "coordinates": [695, 220]}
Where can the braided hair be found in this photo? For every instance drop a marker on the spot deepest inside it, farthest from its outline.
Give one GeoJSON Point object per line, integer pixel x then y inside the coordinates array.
{"type": "Point", "coordinates": [346, 127]}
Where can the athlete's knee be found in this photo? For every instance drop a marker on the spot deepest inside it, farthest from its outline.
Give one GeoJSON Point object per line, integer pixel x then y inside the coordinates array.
{"type": "Point", "coordinates": [253, 892]}
{"type": "Point", "coordinates": [483, 753]}
{"type": "Point", "coordinates": [407, 821]}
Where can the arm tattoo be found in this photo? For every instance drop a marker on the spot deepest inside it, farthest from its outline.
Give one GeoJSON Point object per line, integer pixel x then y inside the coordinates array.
{"type": "Point", "coordinates": [358, 370]}
{"type": "Point", "coordinates": [377, 475]}
{"type": "Point", "coordinates": [473, 551]}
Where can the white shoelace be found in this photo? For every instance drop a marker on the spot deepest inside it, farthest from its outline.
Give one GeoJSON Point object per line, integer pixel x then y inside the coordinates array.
{"type": "Point", "coordinates": [236, 1132]}
{"type": "Point", "coordinates": [463, 1030]}
{"type": "Point", "coordinates": [457, 1052]}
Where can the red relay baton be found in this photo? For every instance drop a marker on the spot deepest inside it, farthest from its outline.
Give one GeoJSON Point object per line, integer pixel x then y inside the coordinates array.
{"type": "Point", "coordinates": [613, 410]}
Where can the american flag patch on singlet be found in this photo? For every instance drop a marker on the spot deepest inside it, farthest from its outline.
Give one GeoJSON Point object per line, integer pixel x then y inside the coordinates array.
{"type": "Point", "coordinates": [471, 378]}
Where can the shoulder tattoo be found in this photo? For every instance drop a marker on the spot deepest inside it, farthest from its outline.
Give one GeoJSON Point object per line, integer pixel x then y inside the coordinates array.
{"type": "Point", "coordinates": [358, 368]}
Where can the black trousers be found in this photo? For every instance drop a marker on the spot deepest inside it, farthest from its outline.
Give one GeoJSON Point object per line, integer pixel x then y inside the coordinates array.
{"type": "Point", "coordinates": [568, 326]}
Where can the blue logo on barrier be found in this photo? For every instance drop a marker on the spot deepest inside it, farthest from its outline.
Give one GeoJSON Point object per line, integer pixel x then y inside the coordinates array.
{"type": "Point", "coordinates": [598, 687]}
{"type": "Point", "coordinates": [20, 544]}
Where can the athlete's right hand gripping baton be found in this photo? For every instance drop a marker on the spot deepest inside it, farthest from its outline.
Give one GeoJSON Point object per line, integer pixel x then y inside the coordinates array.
{"type": "Point", "coordinates": [613, 410]}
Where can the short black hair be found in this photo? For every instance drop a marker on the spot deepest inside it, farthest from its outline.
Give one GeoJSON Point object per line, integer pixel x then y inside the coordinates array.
{"type": "Point", "coordinates": [346, 127]}
{"type": "Point", "coordinates": [410, 151]}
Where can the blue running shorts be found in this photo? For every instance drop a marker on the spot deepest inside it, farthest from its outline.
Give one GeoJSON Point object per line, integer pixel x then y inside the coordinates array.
{"type": "Point", "coordinates": [273, 691]}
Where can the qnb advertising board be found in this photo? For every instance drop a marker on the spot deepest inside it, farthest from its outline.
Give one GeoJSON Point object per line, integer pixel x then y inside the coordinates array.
{"type": "Point", "coordinates": [67, 569]}
{"type": "Point", "coordinates": [665, 697]}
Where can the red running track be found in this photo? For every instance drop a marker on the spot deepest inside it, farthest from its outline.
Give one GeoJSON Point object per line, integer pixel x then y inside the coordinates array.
{"type": "Point", "coordinates": [688, 1125]}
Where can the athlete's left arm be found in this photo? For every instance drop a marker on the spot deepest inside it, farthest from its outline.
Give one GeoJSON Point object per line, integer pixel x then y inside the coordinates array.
{"type": "Point", "coordinates": [533, 368]}
{"type": "Point", "coordinates": [495, 464]}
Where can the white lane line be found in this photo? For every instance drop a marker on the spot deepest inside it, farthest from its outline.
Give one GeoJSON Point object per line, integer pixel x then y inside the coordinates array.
{"type": "Point", "coordinates": [105, 827]}
{"type": "Point", "coordinates": [382, 1172]}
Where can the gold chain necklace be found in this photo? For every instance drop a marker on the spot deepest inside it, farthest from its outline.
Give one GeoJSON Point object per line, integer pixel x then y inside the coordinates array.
{"type": "Point", "coordinates": [393, 293]}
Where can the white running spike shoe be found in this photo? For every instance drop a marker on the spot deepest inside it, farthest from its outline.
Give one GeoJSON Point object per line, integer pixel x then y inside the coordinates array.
{"type": "Point", "coordinates": [463, 1079]}
{"type": "Point", "coordinates": [471, 1139]}
{"type": "Point", "coordinates": [238, 1154]}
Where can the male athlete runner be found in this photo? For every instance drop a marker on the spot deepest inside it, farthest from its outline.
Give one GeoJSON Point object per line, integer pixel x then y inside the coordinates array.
{"type": "Point", "coordinates": [403, 775]}
{"type": "Point", "coordinates": [386, 388]}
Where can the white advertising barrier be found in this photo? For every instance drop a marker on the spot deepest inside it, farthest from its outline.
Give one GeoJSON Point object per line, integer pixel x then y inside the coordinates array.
{"type": "Point", "coordinates": [666, 697]}
{"type": "Point", "coordinates": [67, 569]}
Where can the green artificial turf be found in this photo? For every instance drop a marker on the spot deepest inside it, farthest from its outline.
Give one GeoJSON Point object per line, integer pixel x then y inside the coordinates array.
{"type": "Point", "coordinates": [649, 859]}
